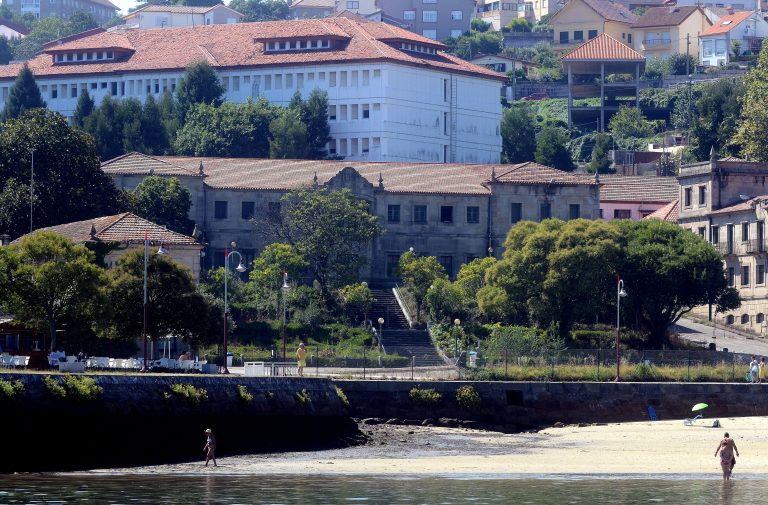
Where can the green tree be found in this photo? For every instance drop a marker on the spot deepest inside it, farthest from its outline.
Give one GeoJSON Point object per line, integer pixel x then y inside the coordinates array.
{"type": "Point", "coordinates": [479, 25]}
{"type": "Point", "coordinates": [83, 110]}
{"type": "Point", "coordinates": [231, 130]}
{"type": "Point", "coordinates": [628, 125]}
{"type": "Point", "coordinates": [153, 130]}
{"type": "Point", "coordinates": [357, 300]}
{"type": "Point", "coordinates": [43, 30]}
{"type": "Point", "coordinates": [551, 149]}
{"type": "Point", "coordinates": [289, 138]}
{"type": "Point", "coordinates": [716, 114]}
{"type": "Point", "coordinates": [24, 95]}
{"type": "Point", "coordinates": [46, 277]}
{"type": "Point", "coordinates": [164, 201]}
{"type": "Point", "coordinates": [754, 114]}
{"type": "Point", "coordinates": [261, 10]}
{"type": "Point", "coordinates": [314, 114]}
{"type": "Point", "coordinates": [14, 206]}
{"type": "Point", "coordinates": [418, 274]}
{"type": "Point", "coordinates": [200, 84]}
{"type": "Point", "coordinates": [169, 115]}
{"type": "Point", "coordinates": [176, 307]}
{"type": "Point", "coordinates": [444, 301]}
{"type": "Point", "coordinates": [6, 52]}
{"type": "Point", "coordinates": [81, 21]}
{"type": "Point", "coordinates": [68, 184]}
{"type": "Point", "coordinates": [682, 64]}
{"type": "Point", "coordinates": [470, 280]}
{"type": "Point", "coordinates": [518, 25]}
{"type": "Point", "coordinates": [266, 278]}
{"type": "Point", "coordinates": [106, 130]}
{"type": "Point", "coordinates": [518, 134]}
{"type": "Point", "coordinates": [128, 118]}
{"type": "Point", "coordinates": [600, 162]}
{"type": "Point", "coordinates": [329, 229]}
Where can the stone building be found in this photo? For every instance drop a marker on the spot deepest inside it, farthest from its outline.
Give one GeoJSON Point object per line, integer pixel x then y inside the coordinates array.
{"type": "Point", "coordinates": [451, 211]}
{"type": "Point", "coordinates": [726, 201]}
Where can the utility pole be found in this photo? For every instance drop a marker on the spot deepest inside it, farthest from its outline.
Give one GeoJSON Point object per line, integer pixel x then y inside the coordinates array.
{"type": "Point", "coordinates": [31, 190]}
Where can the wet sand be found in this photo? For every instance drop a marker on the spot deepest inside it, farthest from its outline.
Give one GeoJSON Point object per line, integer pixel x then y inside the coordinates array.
{"type": "Point", "coordinates": [643, 448]}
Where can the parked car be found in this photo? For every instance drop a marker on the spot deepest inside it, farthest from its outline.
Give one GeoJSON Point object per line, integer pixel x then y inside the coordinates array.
{"type": "Point", "coordinates": [540, 95]}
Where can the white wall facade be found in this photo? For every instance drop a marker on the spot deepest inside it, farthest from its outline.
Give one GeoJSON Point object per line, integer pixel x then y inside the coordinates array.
{"type": "Point", "coordinates": [716, 49]}
{"type": "Point", "coordinates": [409, 109]}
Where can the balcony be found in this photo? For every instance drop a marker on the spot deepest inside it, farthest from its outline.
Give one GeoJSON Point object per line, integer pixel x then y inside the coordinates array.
{"type": "Point", "coordinates": [754, 246]}
{"type": "Point", "coordinates": [741, 248]}
{"type": "Point", "coordinates": [656, 44]}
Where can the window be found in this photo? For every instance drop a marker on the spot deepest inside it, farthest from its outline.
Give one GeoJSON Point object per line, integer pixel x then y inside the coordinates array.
{"type": "Point", "coordinates": [622, 213]}
{"type": "Point", "coordinates": [446, 214]}
{"type": "Point", "coordinates": [563, 37]}
{"type": "Point", "coordinates": [760, 279]}
{"type": "Point", "coordinates": [729, 238]}
{"type": "Point", "coordinates": [629, 38]}
{"type": "Point", "coordinates": [715, 231]}
{"type": "Point", "coordinates": [331, 79]}
{"type": "Point", "coordinates": [366, 111]}
{"type": "Point", "coordinates": [731, 277]}
{"type": "Point", "coordinates": [457, 15]}
{"type": "Point", "coordinates": [247, 211]}
{"type": "Point", "coordinates": [355, 111]}
{"type": "Point", "coordinates": [331, 113]}
{"type": "Point", "coordinates": [745, 319]}
{"type": "Point", "coordinates": [420, 214]}
{"type": "Point", "coordinates": [702, 231]}
{"type": "Point", "coordinates": [447, 263]}
{"type": "Point", "coordinates": [473, 215]}
{"type": "Point", "coordinates": [516, 212]}
{"type": "Point", "coordinates": [760, 318]}
{"type": "Point", "coordinates": [429, 16]}
{"type": "Point", "coordinates": [409, 15]}
{"type": "Point", "coordinates": [54, 91]}
{"type": "Point", "coordinates": [392, 260]}
{"type": "Point", "coordinates": [430, 34]}
{"type": "Point", "coordinates": [220, 210]}
{"type": "Point", "coordinates": [760, 236]}
{"type": "Point", "coordinates": [393, 213]}
{"type": "Point", "coordinates": [343, 112]}
{"type": "Point", "coordinates": [273, 210]}
{"type": "Point", "coordinates": [343, 78]}
{"type": "Point", "coordinates": [353, 4]}
{"type": "Point", "coordinates": [456, 33]}
{"type": "Point", "coordinates": [687, 197]}
{"type": "Point", "coordinates": [545, 210]}
{"type": "Point", "coordinates": [702, 195]}
{"type": "Point", "coordinates": [744, 232]}
{"type": "Point", "coordinates": [73, 92]}
{"type": "Point", "coordinates": [578, 35]}
{"type": "Point", "coordinates": [574, 211]}
{"type": "Point", "coordinates": [592, 34]}
{"type": "Point", "coordinates": [745, 275]}
{"type": "Point", "coordinates": [729, 319]}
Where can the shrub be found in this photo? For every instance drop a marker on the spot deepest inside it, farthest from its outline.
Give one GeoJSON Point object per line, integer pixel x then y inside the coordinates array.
{"type": "Point", "coordinates": [467, 397]}
{"type": "Point", "coordinates": [189, 393]}
{"type": "Point", "coordinates": [9, 390]}
{"type": "Point", "coordinates": [245, 395]}
{"type": "Point", "coordinates": [425, 396]}
{"type": "Point", "coordinates": [54, 388]}
{"type": "Point", "coordinates": [82, 388]}
{"type": "Point", "coordinates": [643, 373]}
{"type": "Point", "coordinates": [302, 398]}
{"type": "Point", "coordinates": [342, 396]}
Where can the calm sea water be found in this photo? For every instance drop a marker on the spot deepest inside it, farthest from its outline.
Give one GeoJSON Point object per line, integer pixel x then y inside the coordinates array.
{"type": "Point", "coordinates": [163, 490]}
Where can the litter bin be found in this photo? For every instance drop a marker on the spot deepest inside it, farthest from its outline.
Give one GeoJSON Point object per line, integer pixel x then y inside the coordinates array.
{"type": "Point", "coordinates": [472, 359]}
{"type": "Point", "coordinates": [229, 359]}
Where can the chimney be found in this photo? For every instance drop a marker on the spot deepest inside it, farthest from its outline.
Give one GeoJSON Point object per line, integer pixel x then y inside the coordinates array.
{"type": "Point", "coordinates": [729, 9]}
{"type": "Point", "coordinates": [5, 240]}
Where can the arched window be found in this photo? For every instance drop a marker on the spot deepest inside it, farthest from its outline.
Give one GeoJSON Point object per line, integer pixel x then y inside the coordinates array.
{"type": "Point", "coordinates": [745, 319]}
{"type": "Point", "coordinates": [729, 319]}
{"type": "Point", "coordinates": [760, 318]}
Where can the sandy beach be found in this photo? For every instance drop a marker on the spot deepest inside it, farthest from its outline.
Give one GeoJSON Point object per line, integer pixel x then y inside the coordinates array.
{"type": "Point", "coordinates": [643, 448]}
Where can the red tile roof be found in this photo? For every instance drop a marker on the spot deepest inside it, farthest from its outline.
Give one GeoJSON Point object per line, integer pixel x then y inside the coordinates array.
{"type": "Point", "coordinates": [233, 46]}
{"type": "Point", "coordinates": [126, 228]}
{"type": "Point", "coordinates": [621, 188]}
{"type": "Point", "coordinates": [282, 175]}
{"type": "Point", "coordinates": [603, 48]}
{"type": "Point", "coordinates": [666, 16]}
{"type": "Point", "coordinates": [746, 205]}
{"type": "Point", "coordinates": [669, 212]}
{"type": "Point", "coordinates": [726, 24]}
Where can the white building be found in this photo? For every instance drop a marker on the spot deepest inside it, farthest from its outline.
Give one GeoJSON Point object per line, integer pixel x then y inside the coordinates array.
{"type": "Point", "coordinates": [169, 16]}
{"type": "Point", "coordinates": [393, 95]}
{"type": "Point", "coordinates": [745, 30]}
{"type": "Point", "coordinates": [11, 30]}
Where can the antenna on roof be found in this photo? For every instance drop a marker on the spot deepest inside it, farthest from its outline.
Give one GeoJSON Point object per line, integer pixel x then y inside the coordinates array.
{"type": "Point", "coordinates": [381, 181]}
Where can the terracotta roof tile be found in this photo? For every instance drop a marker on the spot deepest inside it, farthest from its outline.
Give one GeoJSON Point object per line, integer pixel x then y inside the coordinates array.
{"type": "Point", "coordinates": [233, 46]}
{"type": "Point", "coordinates": [281, 175]}
{"type": "Point", "coordinates": [665, 16]}
{"type": "Point", "coordinates": [670, 212]}
{"type": "Point", "coordinates": [125, 227]}
{"type": "Point", "coordinates": [137, 163]}
{"type": "Point", "coordinates": [746, 205]}
{"type": "Point", "coordinates": [620, 188]}
{"type": "Point", "coordinates": [603, 48]}
{"type": "Point", "coordinates": [612, 11]}
{"type": "Point", "coordinates": [726, 24]}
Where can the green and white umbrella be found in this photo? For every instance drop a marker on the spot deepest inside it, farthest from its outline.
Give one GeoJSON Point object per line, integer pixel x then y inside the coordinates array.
{"type": "Point", "coordinates": [699, 406]}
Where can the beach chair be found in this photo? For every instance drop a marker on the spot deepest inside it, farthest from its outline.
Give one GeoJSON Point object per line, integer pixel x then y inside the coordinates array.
{"type": "Point", "coordinates": [652, 413]}
{"type": "Point", "coordinates": [691, 421]}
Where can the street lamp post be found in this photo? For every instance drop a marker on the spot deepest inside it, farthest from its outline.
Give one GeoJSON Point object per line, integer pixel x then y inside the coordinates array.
{"type": "Point", "coordinates": [240, 268]}
{"type": "Point", "coordinates": [381, 321]}
{"type": "Point", "coordinates": [620, 293]}
{"type": "Point", "coordinates": [456, 323]}
{"type": "Point", "coordinates": [162, 252]}
{"type": "Point", "coordinates": [285, 287]}
{"type": "Point", "coordinates": [31, 190]}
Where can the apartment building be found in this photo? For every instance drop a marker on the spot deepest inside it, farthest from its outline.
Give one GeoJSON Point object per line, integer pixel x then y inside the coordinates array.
{"type": "Point", "coordinates": [393, 95]}
{"type": "Point", "coordinates": [664, 31]}
{"type": "Point", "coordinates": [168, 16]}
{"type": "Point", "coordinates": [582, 20]}
{"type": "Point", "coordinates": [434, 19]}
{"type": "Point", "coordinates": [455, 212]}
{"type": "Point", "coordinates": [101, 10]}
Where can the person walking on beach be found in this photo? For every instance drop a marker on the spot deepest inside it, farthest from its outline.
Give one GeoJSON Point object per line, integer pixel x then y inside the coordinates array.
{"type": "Point", "coordinates": [726, 448]}
{"type": "Point", "coordinates": [210, 447]}
{"type": "Point", "coordinates": [301, 358]}
{"type": "Point", "coordinates": [753, 369]}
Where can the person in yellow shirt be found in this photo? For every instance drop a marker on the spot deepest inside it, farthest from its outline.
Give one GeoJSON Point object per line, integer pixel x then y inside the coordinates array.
{"type": "Point", "coordinates": [301, 358]}
{"type": "Point", "coordinates": [761, 370]}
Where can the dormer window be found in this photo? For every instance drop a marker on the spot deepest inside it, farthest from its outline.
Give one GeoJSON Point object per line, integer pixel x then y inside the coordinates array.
{"type": "Point", "coordinates": [83, 56]}
{"type": "Point", "coordinates": [417, 48]}
{"type": "Point", "coordinates": [296, 45]}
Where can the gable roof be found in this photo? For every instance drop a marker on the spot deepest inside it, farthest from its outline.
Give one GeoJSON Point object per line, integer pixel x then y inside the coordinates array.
{"type": "Point", "coordinates": [607, 9]}
{"type": "Point", "coordinates": [313, 4]}
{"type": "Point", "coordinates": [284, 175]}
{"type": "Point", "coordinates": [16, 27]}
{"type": "Point", "coordinates": [622, 188]}
{"type": "Point", "coordinates": [666, 16]}
{"type": "Point", "coordinates": [603, 48]}
{"type": "Point", "coordinates": [126, 228]}
{"type": "Point", "coordinates": [726, 24]}
{"type": "Point", "coordinates": [239, 45]}
{"type": "Point", "coordinates": [670, 212]}
{"type": "Point", "coordinates": [746, 205]}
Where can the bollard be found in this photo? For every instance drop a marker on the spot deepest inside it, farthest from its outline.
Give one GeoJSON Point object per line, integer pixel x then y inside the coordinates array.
{"type": "Point", "coordinates": [363, 362]}
{"type": "Point", "coordinates": [413, 364]}
{"type": "Point", "coordinates": [506, 363]}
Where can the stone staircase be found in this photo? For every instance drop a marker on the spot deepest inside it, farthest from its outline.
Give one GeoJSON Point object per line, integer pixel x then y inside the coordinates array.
{"type": "Point", "coordinates": [386, 307]}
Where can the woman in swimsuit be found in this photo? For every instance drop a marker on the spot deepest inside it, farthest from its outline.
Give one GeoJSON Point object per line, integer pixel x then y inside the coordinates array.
{"type": "Point", "coordinates": [726, 448]}
{"type": "Point", "coordinates": [210, 448]}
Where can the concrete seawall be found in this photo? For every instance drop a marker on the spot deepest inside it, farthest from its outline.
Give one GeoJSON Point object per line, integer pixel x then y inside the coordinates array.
{"type": "Point", "coordinates": [514, 406]}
